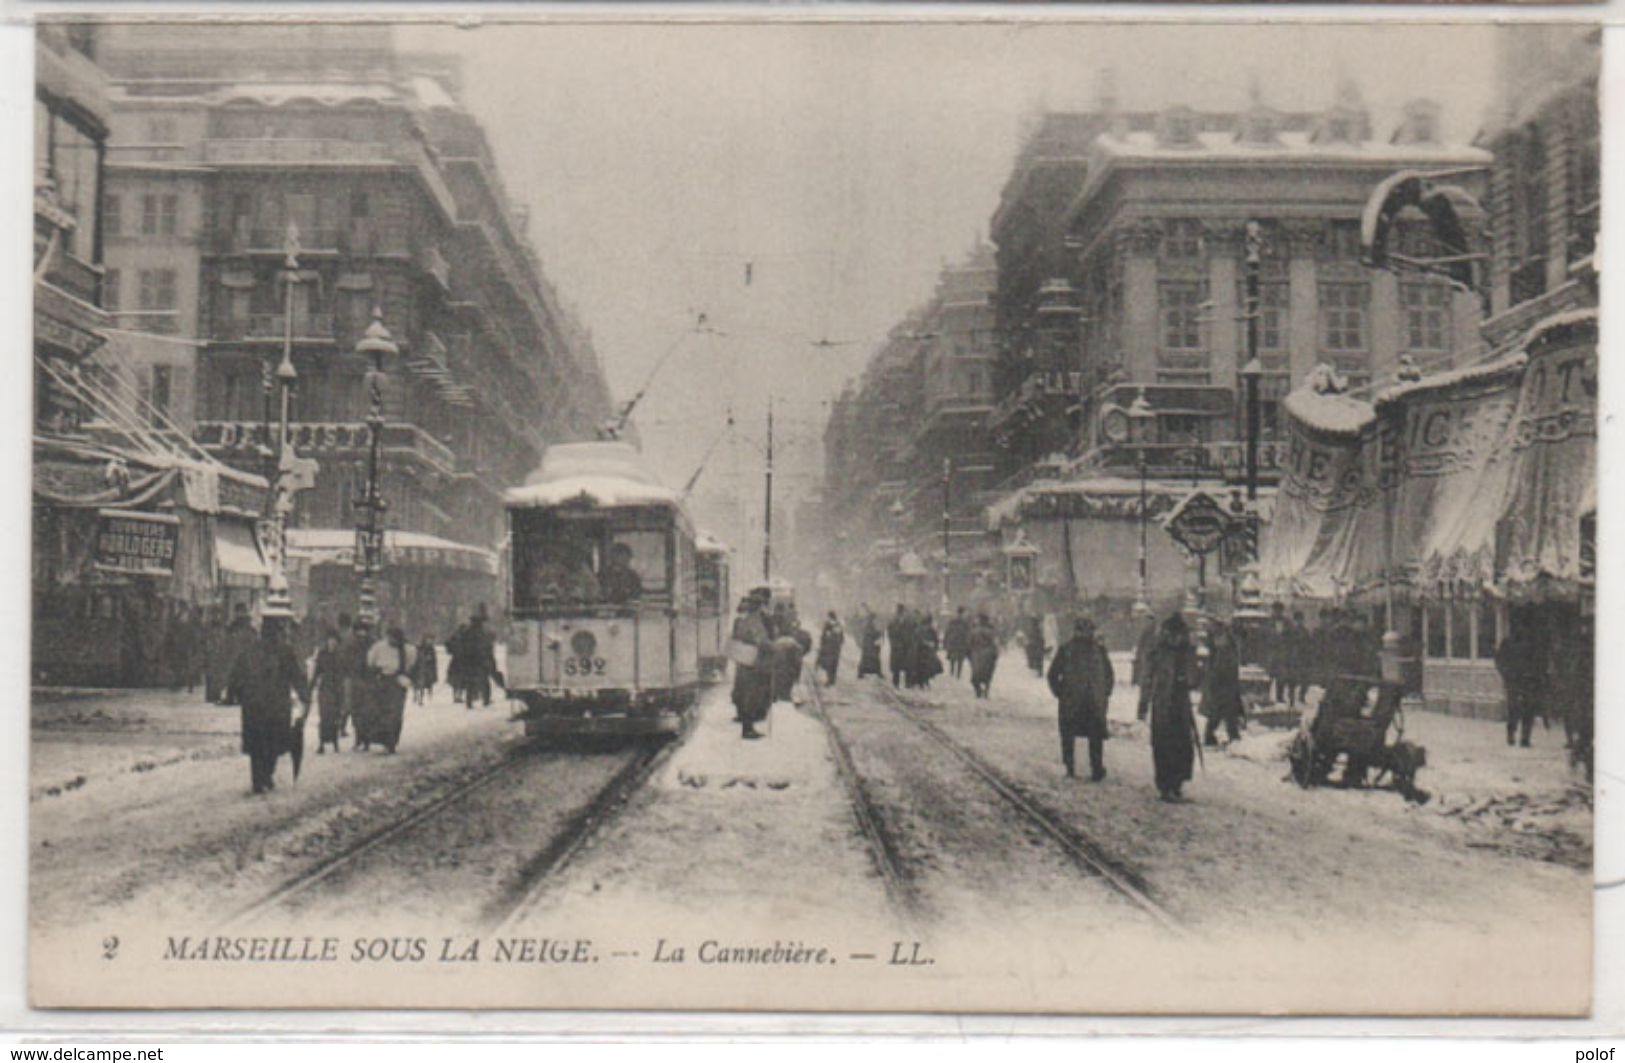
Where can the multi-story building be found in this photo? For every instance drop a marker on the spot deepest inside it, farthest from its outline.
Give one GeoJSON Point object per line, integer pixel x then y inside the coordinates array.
{"type": "Point", "coordinates": [909, 441]}
{"type": "Point", "coordinates": [1543, 203]}
{"type": "Point", "coordinates": [237, 145]}
{"type": "Point", "coordinates": [1145, 308]}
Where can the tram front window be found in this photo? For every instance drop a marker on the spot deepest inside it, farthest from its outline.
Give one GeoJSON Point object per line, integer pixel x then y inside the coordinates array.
{"type": "Point", "coordinates": [584, 562]}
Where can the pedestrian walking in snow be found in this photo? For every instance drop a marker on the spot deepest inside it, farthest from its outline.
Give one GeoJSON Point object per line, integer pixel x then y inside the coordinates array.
{"type": "Point", "coordinates": [1081, 679]}
{"type": "Point", "coordinates": [869, 647]}
{"type": "Point", "coordinates": [925, 665]}
{"type": "Point", "coordinates": [1517, 659]}
{"type": "Point", "coordinates": [984, 655]}
{"type": "Point", "coordinates": [327, 680]}
{"type": "Point", "coordinates": [1144, 647]}
{"type": "Point", "coordinates": [261, 679]}
{"type": "Point", "coordinates": [1173, 730]}
{"type": "Point", "coordinates": [1032, 639]}
{"type": "Point", "coordinates": [426, 673]}
{"type": "Point", "coordinates": [751, 650]}
{"type": "Point", "coordinates": [389, 665]}
{"type": "Point", "coordinates": [357, 712]}
{"type": "Point", "coordinates": [956, 642]}
{"type": "Point", "coordinates": [830, 641]}
{"type": "Point", "coordinates": [1277, 656]}
{"type": "Point", "coordinates": [480, 665]}
{"type": "Point", "coordinates": [1221, 684]}
{"type": "Point", "coordinates": [900, 643]}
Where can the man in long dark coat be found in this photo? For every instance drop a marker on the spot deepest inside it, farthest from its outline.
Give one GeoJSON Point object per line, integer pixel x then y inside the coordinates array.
{"type": "Point", "coordinates": [869, 646]}
{"type": "Point", "coordinates": [358, 699]}
{"type": "Point", "coordinates": [1081, 679]}
{"type": "Point", "coordinates": [481, 665]}
{"type": "Point", "coordinates": [262, 677]}
{"type": "Point", "coordinates": [1277, 656]}
{"type": "Point", "coordinates": [900, 641]}
{"type": "Point", "coordinates": [830, 641]}
{"type": "Point", "coordinates": [753, 683]}
{"type": "Point", "coordinates": [1517, 658]}
{"type": "Point", "coordinates": [1032, 637]}
{"type": "Point", "coordinates": [925, 664]}
{"type": "Point", "coordinates": [237, 638]}
{"type": "Point", "coordinates": [1173, 671]}
{"type": "Point", "coordinates": [984, 655]}
{"type": "Point", "coordinates": [1221, 685]}
{"type": "Point", "coordinates": [1143, 649]}
{"type": "Point", "coordinates": [956, 642]}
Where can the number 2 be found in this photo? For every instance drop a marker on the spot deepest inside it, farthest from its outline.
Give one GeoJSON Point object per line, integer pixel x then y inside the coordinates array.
{"type": "Point", "coordinates": [109, 947]}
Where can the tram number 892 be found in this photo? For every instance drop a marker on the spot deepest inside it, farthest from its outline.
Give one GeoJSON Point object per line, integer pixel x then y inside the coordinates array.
{"type": "Point", "coordinates": [584, 666]}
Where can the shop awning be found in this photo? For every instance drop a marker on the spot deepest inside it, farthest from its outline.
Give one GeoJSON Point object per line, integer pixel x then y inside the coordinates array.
{"type": "Point", "coordinates": [237, 555]}
{"type": "Point", "coordinates": [336, 546]}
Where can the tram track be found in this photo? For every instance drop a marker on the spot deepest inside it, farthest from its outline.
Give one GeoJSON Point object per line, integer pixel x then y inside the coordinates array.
{"type": "Point", "coordinates": [517, 903]}
{"type": "Point", "coordinates": [901, 891]}
{"type": "Point", "coordinates": [352, 854]}
{"type": "Point", "coordinates": [1082, 851]}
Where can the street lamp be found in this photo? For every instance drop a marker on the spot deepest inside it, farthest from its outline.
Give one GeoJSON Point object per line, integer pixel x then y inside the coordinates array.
{"type": "Point", "coordinates": [947, 498]}
{"type": "Point", "coordinates": [375, 343]}
{"type": "Point", "coordinates": [1141, 419]}
{"type": "Point", "coordinates": [277, 598]}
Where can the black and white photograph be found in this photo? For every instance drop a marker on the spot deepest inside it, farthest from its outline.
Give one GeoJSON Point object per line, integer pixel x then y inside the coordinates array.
{"type": "Point", "coordinates": [759, 513]}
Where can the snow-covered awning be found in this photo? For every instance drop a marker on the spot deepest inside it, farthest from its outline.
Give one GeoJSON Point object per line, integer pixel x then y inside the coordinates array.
{"type": "Point", "coordinates": [336, 546]}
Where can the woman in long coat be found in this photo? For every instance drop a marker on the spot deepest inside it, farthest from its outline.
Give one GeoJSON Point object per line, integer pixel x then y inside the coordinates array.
{"type": "Point", "coordinates": [753, 682]}
{"type": "Point", "coordinates": [1173, 670]}
{"type": "Point", "coordinates": [390, 664]}
{"type": "Point", "coordinates": [869, 642]}
{"type": "Point", "coordinates": [830, 641]}
{"type": "Point", "coordinates": [927, 665]}
{"type": "Point", "coordinates": [984, 655]}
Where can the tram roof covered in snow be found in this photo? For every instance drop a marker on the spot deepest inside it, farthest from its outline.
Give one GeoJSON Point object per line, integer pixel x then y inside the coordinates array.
{"type": "Point", "coordinates": [599, 474]}
{"type": "Point", "coordinates": [708, 543]}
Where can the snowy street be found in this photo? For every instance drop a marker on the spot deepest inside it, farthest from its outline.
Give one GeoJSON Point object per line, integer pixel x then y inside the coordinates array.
{"type": "Point", "coordinates": [141, 807]}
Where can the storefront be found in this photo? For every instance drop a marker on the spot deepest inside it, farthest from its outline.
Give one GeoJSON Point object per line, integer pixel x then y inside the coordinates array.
{"type": "Point", "coordinates": [1460, 508]}
{"type": "Point", "coordinates": [428, 584]}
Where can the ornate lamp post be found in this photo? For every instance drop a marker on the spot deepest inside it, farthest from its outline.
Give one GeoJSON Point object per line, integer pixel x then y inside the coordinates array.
{"type": "Point", "coordinates": [947, 498]}
{"type": "Point", "coordinates": [375, 343]}
{"type": "Point", "coordinates": [277, 597]}
{"type": "Point", "coordinates": [1141, 420]}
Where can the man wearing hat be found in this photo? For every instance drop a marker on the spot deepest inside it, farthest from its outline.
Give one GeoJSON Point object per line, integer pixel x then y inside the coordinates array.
{"type": "Point", "coordinates": [261, 679]}
{"type": "Point", "coordinates": [1081, 679]}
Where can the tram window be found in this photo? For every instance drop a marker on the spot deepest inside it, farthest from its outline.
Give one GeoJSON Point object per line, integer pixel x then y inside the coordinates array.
{"type": "Point", "coordinates": [710, 582]}
{"type": "Point", "coordinates": [575, 561]}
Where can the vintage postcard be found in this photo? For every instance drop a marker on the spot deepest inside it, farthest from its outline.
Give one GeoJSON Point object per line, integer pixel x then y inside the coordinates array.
{"type": "Point", "coordinates": [1057, 517]}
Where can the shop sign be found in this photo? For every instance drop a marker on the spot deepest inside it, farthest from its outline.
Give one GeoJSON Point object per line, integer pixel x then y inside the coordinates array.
{"type": "Point", "coordinates": [137, 544]}
{"type": "Point", "coordinates": [1199, 524]}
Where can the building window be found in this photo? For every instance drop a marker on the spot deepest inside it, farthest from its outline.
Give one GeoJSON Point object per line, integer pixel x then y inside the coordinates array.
{"type": "Point", "coordinates": [1182, 316]}
{"type": "Point", "coordinates": [112, 216]}
{"type": "Point", "coordinates": [1437, 630]}
{"type": "Point", "coordinates": [157, 300]}
{"type": "Point", "coordinates": [1427, 316]}
{"type": "Point", "coordinates": [1274, 303]}
{"type": "Point", "coordinates": [162, 393]}
{"type": "Point", "coordinates": [110, 289]}
{"type": "Point", "coordinates": [1182, 428]}
{"type": "Point", "coordinates": [1343, 240]}
{"type": "Point", "coordinates": [1461, 627]}
{"type": "Point", "coordinates": [1530, 236]}
{"type": "Point", "coordinates": [1584, 175]}
{"type": "Point", "coordinates": [1486, 633]}
{"type": "Point", "coordinates": [1181, 239]}
{"type": "Point", "coordinates": [359, 207]}
{"type": "Point", "coordinates": [159, 214]}
{"type": "Point", "coordinates": [1342, 316]}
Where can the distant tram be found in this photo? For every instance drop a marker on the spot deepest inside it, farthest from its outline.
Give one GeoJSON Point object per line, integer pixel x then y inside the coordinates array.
{"type": "Point", "coordinates": [711, 559]}
{"type": "Point", "coordinates": [603, 596]}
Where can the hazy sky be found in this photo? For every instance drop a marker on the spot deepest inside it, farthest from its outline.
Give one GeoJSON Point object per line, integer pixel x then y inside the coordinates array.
{"type": "Point", "coordinates": [847, 163]}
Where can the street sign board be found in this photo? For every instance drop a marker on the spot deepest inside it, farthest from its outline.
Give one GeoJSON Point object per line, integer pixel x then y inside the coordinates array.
{"type": "Point", "coordinates": [137, 544]}
{"type": "Point", "coordinates": [1199, 523]}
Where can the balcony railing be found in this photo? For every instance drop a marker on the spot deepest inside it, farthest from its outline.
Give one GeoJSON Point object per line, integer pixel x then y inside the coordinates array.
{"type": "Point", "coordinates": [157, 322]}
{"type": "Point", "coordinates": [317, 438]}
{"type": "Point", "coordinates": [260, 151]}
{"type": "Point", "coordinates": [267, 327]}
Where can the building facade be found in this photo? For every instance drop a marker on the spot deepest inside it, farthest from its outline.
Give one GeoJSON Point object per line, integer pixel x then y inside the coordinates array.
{"type": "Point", "coordinates": [234, 148]}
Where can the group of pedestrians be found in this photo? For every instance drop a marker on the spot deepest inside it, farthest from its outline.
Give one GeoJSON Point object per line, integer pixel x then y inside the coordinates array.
{"type": "Point", "coordinates": [913, 640]}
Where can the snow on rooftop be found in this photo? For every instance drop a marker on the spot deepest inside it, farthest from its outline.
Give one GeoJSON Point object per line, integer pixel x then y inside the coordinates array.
{"type": "Point", "coordinates": [1329, 412]}
{"type": "Point", "coordinates": [1297, 146]}
{"type": "Point", "coordinates": [710, 543]}
{"type": "Point", "coordinates": [604, 474]}
{"type": "Point", "coordinates": [329, 94]}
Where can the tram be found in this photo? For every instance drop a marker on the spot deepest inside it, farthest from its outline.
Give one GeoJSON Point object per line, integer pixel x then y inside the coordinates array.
{"type": "Point", "coordinates": [715, 625]}
{"type": "Point", "coordinates": [602, 596]}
